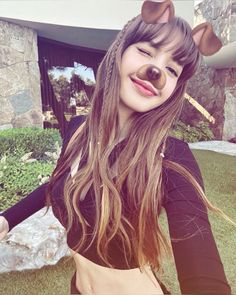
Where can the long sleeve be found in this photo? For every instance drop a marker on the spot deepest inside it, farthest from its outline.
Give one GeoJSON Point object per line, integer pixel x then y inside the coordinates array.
{"type": "Point", "coordinates": [199, 267]}
{"type": "Point", "coordinates": [26, 207]}
{"type": "Point", "coordinates": [36, 200]}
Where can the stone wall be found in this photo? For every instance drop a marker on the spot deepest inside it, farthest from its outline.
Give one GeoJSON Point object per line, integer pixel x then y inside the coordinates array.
{"type": "Point", "coordinates": [233, 21]}
{"type": "Point", "coordinates": [215, 89]}
{"type": "Point", "coordinates": [20, 95]}
{"type": "Point", "coordinates": [229, 128]}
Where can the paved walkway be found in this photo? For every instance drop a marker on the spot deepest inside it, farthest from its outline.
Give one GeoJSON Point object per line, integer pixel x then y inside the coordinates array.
{"type": "Point", "coordinates": [223, 147]}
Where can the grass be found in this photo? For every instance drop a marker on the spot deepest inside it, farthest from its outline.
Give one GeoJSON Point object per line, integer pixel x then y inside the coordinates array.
{"type": "Point", "coordinates": [53, 280]}
{"type": "Point", "coordinates": [219, 173]}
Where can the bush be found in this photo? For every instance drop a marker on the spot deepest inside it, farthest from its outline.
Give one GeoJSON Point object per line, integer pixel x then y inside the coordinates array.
{"type": "Point", "coordinates": [27, 158]}
{"type": "Point", "coordinates": [17, 178]}
{"type": "Point", "coordinates": [19, 141]}
{"type": "Point", "coordinates": [199, 132]}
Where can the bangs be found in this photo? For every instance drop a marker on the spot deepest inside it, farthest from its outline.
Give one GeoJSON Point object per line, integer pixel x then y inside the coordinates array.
{"type": "Point", "coordinates": [175, 36]}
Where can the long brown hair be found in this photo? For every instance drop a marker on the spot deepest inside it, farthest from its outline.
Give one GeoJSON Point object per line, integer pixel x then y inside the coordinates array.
{"type": "Point", "coordinates": [138, 177]}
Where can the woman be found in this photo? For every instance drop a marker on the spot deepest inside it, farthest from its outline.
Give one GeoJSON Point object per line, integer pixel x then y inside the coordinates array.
{"type": "Point", "coordinates": [119, 167]}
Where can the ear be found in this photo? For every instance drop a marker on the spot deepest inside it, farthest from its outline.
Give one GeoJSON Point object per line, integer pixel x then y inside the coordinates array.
{"type": "Point", "coordinates": [206, 40]}
{"type": "Point", "coordinates": [154, 12]}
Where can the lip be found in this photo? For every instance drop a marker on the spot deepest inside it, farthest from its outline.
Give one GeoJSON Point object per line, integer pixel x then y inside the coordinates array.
{"type": "Point", "coordinates": [147, 85]}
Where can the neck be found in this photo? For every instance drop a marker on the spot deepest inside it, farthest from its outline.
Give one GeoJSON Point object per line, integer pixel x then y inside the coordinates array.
{"type": "Point", "coordinates": [124, 127]}
{"type": "Point", "coordinates": [124, 116]}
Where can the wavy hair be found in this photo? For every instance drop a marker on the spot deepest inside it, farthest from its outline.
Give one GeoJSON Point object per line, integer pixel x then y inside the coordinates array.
{"type": "Point", "coordinates": [136, 175]}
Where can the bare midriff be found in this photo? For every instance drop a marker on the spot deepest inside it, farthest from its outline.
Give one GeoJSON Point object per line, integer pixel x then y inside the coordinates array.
{"type": "Point", "coordinates": [94, 279]}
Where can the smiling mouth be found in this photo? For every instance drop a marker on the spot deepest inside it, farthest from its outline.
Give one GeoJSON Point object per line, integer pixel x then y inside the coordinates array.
{"type": "Point", "coordinates": [142, 88]}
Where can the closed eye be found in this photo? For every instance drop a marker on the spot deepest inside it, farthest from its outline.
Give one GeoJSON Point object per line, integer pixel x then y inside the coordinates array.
{"type": "Point", "coordinates": [172, 71]}
{"type": "Point", "coordinates": [144, 51]}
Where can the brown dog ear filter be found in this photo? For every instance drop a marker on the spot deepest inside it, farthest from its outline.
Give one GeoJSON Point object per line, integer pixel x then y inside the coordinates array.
{"type": "Point", "coordinates": [206, 40]}
{"type": "Point", "coordinates": [154, 12]}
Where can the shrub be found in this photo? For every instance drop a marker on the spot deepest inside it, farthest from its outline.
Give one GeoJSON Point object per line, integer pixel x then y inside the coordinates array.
{"type": "Point", "coordinates": [27, 158]}
{"type": "Point", "coordinates": [199, 132]}
{"type": "Point", "coordinates": [17, 178]}
{"type": "Point", "coordinates": [19, 141]}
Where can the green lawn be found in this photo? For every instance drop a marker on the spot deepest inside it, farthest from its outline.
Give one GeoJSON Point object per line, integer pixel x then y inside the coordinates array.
{"type": "Point", "coordinates": [219, 172]}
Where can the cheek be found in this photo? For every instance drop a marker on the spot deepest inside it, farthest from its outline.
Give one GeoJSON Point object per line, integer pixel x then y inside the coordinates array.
{"type": "Point", "coordinates": [131, 61]}
{"type": "Point", "coordinates": [170, 87]}
{"type": "Point", "coordinates": [123, 67]}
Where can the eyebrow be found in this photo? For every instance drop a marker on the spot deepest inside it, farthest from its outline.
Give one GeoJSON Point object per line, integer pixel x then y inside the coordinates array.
{"type": "Point", "coordinates": [152, 44]}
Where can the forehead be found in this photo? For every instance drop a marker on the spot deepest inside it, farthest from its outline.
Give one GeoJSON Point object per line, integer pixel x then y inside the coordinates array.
{"type": "Point", "coordinates": [174, 42]}
{"type": "Point", "coordinates": [175, 37]}
{"type": "Point", "coordinates": [168, 42]}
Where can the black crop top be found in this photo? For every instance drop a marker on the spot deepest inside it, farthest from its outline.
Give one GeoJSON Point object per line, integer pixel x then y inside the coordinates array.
{"type": "Point", "coordinates": [199, 267]}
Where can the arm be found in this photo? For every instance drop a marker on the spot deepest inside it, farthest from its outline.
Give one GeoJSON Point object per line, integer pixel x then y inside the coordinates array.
{"type": "Point", "coordinates": [198, 264]}
{"type": "Point", "coordinates": [36, 199]}
{"type": "Point", "coordinates": [26, 207]}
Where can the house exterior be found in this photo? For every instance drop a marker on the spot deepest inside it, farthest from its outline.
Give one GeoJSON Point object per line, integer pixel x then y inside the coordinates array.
{"type": "Point", "coordinates": [36, 35]}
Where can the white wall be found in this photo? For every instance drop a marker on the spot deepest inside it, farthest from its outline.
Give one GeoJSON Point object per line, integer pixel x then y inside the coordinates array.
{"type": "Point", "coordinates": [100, 14]}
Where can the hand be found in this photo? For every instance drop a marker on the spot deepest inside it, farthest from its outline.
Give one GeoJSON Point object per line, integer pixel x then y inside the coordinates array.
{"type": "Point", "coordinates": [4, 227]}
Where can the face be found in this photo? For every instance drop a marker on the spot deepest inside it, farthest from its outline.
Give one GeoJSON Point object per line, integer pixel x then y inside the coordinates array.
{"type": "Point", "coordinates": [133, 96]}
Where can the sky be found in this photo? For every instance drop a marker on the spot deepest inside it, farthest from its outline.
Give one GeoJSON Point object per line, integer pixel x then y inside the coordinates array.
{"type": "Point", "coordinates": [79, 69]}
